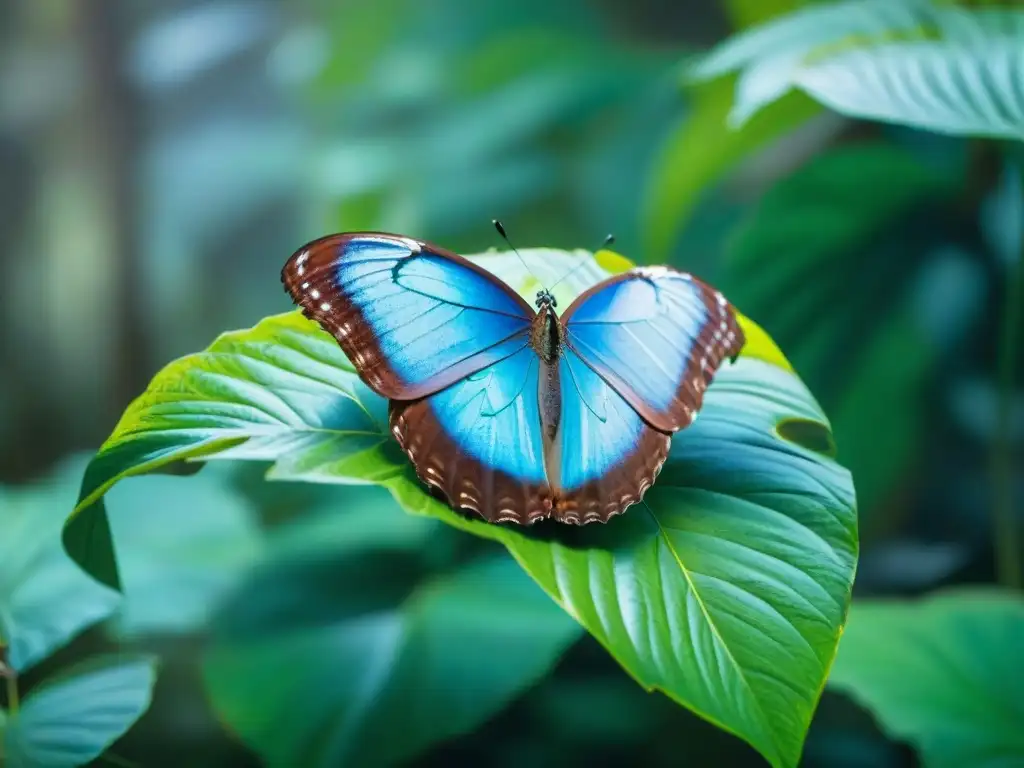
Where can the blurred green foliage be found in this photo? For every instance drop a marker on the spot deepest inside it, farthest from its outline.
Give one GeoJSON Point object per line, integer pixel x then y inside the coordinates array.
{"type": "Point", "coordinates": [45, 602]}
{"type": "Point", "coordinates": [942, 673]}
{"type": "Point", "coordinates": [851, 181]}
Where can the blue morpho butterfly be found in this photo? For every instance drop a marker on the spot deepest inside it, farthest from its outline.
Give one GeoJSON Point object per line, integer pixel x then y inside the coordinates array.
{"type": "Point", "coordinates": [513, 413]}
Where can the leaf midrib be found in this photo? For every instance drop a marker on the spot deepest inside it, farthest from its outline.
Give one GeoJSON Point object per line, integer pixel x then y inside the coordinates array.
{"type": "Point", "coordinates": [766, 725]}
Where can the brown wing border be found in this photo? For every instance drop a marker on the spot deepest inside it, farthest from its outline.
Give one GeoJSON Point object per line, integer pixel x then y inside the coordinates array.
{"type": "Point", "coordinates": [308, 277]}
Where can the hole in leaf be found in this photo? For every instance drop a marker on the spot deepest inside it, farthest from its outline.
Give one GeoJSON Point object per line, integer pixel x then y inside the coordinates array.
{"type": "Point", "coordinates": [812, 435]}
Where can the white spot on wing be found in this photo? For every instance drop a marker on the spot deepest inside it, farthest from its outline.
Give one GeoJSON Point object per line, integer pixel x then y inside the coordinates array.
{"type": "Point", "coordinates": [325, 307]}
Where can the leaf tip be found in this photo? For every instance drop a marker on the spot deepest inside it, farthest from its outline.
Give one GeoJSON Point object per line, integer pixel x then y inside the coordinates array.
{"type": "Point", "coordinates": [87, 540]}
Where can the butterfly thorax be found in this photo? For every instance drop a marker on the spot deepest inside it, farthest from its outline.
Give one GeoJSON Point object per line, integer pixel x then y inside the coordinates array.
{"type": "Point", "coordinates": [546, 334]}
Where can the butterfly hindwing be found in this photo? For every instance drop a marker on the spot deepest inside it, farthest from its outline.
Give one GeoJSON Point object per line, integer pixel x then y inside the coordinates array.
{"type": "Point", "coordinates": [411, 317]}
{"type": "Point", "coordinates": [609, 456]}
{"type": "Point", "coordinates": [479, 441]}
{"type": "Point", "coordinates": [657, 336]}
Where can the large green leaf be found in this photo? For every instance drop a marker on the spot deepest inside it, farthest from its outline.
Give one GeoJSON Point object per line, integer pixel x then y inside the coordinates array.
{"type": "Point", "coordinates": [45, 599]}
{"type": "Point", "coordinates": [727, 590]}
{"type": "Point", "coordinates": [943, 673]}
{"type": "Point", "coordinates": [768, 54]}
{"type": "Point", "coordinates": [918, 63]}
{"type": "Point", "coordinates": [70, 721]}
{"type": "Point", "coordinates": [959, 89]}
{"type": "Point", "coordinates": [381, 675]}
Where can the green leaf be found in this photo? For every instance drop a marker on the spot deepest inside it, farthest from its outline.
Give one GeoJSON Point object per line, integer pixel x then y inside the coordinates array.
{"type": "Point", "coordinates": [727, 591]}
{"type": "Point", "coordinates": [45, 599]}
{"type": "Point", "coordinates": [71, 720]}
{"type": "Point", "coordinates": [792, 37]}
{"type": "Point", "coordinates": [380, 682]}
{"type": "Point", "coordinates": [967, 90]}
{"type": "Point", "coordinates": [943, 673]}
{"type": "Point", "coordinates": [917, 63]}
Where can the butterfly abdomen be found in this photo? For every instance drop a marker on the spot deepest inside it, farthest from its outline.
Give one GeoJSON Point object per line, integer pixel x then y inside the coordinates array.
{"type": "Point", "coordinates": [550, 400]}
{"type": "Point", "coordinates": [546, 340]}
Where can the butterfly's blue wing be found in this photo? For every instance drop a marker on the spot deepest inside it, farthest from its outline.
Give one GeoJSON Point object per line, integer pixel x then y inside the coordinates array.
{"type": "Point", "coordinates": [411, 317]}
{"type": "Point", "coordinates": [608, 455]}
{"type": "Point", "coordinates": [479, 441]}
{"type": "Point", "coordinates": [657, 336]}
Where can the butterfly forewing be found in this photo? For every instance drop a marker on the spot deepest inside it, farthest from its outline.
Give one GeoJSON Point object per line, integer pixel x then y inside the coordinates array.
{"type": "Point", "coordinates": [411, 317]}
{"type": "Point", "coordinates": [657, 336]}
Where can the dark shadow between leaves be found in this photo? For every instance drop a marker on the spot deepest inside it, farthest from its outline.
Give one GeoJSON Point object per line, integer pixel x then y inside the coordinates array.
{"type": "Point", "coordinates": [317, 590]}
{"type": "Point", "coordinates": [180, 468]}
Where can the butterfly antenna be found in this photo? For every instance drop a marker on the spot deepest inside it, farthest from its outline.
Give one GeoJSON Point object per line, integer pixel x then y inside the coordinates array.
{"type": "Point", "coordinates": [504, 236]}
{"type": "Point", "coordinates": [607, 241]}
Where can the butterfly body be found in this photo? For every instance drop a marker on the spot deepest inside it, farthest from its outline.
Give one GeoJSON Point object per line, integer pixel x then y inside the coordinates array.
{"type": "Point", "coordinates": [515, 413]}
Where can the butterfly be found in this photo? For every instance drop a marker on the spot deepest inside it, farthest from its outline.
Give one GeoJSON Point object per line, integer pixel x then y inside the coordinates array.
{"type": "Point", "coordinates": [512, 412]}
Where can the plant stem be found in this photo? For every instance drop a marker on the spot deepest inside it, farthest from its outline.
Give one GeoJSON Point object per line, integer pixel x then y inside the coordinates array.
{"type": "Point", "coordinates": [12, 692]}
{"type": "Point", "coordinates": [1004, 528]}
